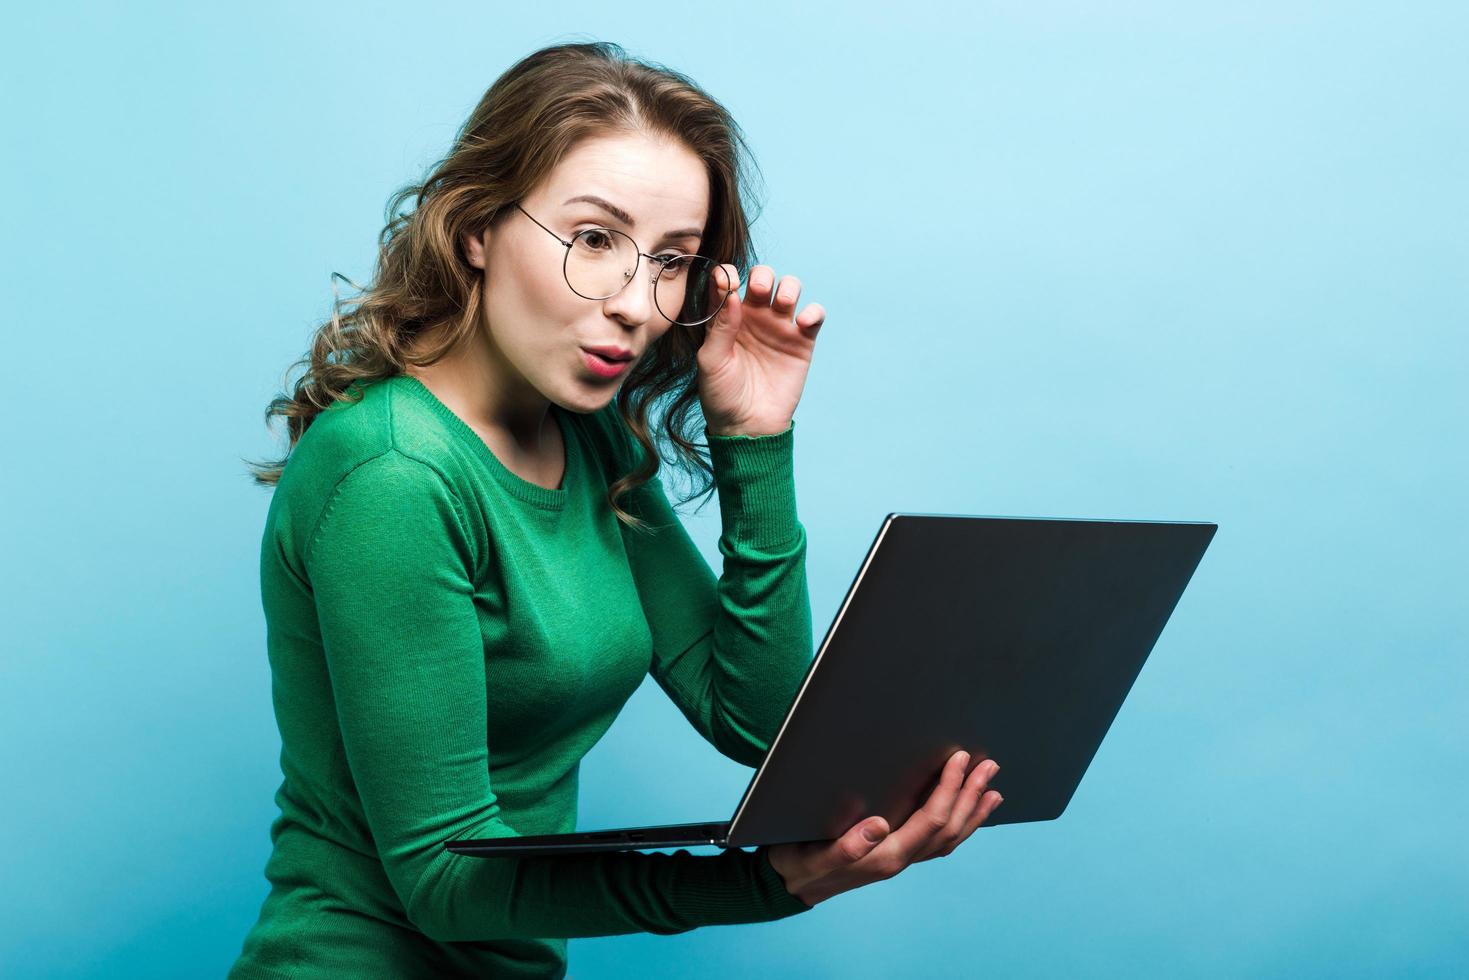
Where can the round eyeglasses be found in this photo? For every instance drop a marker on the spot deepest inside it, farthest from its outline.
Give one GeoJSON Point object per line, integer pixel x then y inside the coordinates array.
{"type": "Point", "coordinates": [601, 261]}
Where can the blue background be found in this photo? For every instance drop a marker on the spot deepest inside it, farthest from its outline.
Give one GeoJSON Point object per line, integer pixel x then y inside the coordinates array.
{"type": "Point", "coordinates": [1125, 260]}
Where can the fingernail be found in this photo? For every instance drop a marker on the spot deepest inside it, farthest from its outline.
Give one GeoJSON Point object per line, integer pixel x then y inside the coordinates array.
{"type": "Point", "coordinates": [872, 834]}
{"type": "Point", "coordinates": [963, 759]}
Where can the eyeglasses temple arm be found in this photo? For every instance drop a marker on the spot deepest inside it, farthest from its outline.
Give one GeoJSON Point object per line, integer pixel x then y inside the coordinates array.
{"type": "Point", "coordinates": [547, 230]}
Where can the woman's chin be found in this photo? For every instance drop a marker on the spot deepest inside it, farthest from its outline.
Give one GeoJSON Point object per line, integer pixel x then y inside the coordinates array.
{"type": "Point", "coordinates": [588, 396]}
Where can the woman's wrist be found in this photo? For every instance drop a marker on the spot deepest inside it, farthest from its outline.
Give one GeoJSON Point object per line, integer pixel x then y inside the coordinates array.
{"type": "Point", "coordinates": [750, 430]}
{"type": "Point", "coordinates": [768, 853]}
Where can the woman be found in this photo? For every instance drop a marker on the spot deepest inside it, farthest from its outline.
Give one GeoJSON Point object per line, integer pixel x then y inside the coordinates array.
{"type": "Point", "coordinates": [469, 563]}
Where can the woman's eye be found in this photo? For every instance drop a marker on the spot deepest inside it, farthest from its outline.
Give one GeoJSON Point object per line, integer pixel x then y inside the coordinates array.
{"type": "Point", "coordinates": [596, 238]}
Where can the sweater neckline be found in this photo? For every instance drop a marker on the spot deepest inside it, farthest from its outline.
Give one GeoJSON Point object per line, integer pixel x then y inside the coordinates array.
{"type": "Point", "coordinates": [532, 493]}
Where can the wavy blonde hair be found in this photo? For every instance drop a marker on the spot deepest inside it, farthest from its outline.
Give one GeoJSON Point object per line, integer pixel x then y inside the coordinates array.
{"type": "Point", "coordinates": [424, 287]}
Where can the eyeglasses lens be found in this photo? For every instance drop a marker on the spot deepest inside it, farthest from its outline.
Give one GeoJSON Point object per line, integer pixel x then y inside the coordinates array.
{"type": "Point", "coordinates": [602, 260]}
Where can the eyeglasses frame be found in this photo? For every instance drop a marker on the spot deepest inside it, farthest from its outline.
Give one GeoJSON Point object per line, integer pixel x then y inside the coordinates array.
{"type": "Point", "coordinates": [661, 260]}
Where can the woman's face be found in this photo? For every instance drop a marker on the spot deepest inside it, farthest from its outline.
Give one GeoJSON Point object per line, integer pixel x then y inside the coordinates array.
{"type": "Point", "coordinates": [536, 326]}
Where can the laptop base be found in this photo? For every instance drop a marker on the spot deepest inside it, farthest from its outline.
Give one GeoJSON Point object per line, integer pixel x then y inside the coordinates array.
{"type": "Point", "coordinates": [593, 841]}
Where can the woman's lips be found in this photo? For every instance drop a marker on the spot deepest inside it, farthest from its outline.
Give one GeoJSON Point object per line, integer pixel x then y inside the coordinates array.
{"type": "Point", "coordinates": [601, 366]}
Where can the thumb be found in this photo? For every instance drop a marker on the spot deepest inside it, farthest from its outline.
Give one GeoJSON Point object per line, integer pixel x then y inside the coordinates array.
{"type": "Point", "coordinates": [874, 832]}
{"type": "Point", "coordinates": [719, 338]}
{"type": "Point", "coordinates": [858, 842]}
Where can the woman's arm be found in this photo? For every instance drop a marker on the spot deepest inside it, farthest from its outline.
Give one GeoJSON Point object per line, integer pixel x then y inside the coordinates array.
{"type": "Point", "coordinates": [731, 654]}
{"type": "Point", "coordinates": [389, 564]}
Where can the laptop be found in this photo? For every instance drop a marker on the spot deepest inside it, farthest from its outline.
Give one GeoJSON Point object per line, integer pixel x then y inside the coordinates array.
{"type": "Point", "coordinates": [1016, 638]}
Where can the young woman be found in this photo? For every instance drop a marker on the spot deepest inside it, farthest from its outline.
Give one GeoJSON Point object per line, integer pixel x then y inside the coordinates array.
{"type": "Point", "coordinates": [469, 562]}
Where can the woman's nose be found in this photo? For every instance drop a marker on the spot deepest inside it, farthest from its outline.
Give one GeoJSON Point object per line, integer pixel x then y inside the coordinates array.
{"type": "Point", "coordinates": [635, 300]}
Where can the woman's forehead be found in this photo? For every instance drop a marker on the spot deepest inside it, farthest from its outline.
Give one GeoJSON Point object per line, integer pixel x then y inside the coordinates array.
{"type": "Point", "coordinates": [642, 183]}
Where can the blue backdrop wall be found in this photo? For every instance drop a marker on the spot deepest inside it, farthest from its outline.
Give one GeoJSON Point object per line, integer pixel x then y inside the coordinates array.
{"type": "Point", "coordinates": [1136, 260]}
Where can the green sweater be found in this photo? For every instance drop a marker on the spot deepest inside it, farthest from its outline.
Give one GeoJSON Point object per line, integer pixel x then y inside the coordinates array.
{"type": "Point", "coordinates": [447, 640]}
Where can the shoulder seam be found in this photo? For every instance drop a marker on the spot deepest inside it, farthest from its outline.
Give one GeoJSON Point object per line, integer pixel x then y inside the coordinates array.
{"type": "Point", "coordinates": [459, 509]}
{"type": "Point", "coordinates": [397, 447]}
{"type": "Point", "coordinates": [331, 500]}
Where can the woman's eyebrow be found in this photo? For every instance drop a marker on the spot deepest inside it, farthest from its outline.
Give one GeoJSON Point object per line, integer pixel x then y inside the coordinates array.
{"type": "Point", "coordinates": [627, 219]}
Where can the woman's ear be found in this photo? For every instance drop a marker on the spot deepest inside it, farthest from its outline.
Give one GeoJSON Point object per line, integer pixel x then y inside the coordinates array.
{"type": "Point", "coordinates": [474, 247]}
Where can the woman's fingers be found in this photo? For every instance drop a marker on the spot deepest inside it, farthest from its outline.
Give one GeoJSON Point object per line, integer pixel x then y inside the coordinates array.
{"type": "Point", "coordinates": [787, 292]}
{"type": "Point", "coordinates": [782, 297]}
{"type": "Point", "coordinates": [725, 294]}
{"type": "Point", "coordinates": [912, 839]}
{"type": "Point", "coordinates": [973, 807]}
{"type": "Point", "coordinates": [811, 318]}
{"type": "Point", "coordinates": [867, 852]}
{"type": "Point", "coordinates": [822, 858]}
{"type": "Point", "coordinates": [760, 287]}
{"type": "Point", "coordinates": [987, 805]}
{"type": "Point", "coordinates": [727, 277]}
{"type": "Point", "coordinates": [764, 290]}
{"type": "Point", "coordinates": [891, 852]}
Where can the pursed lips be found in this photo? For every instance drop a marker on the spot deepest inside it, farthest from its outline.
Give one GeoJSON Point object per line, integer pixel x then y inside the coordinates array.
{"type": "Point", "coordinates": [609, 354]}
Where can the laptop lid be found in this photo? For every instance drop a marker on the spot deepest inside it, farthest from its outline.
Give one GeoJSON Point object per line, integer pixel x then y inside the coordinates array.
{"type": "Point", "coordinates": [1015, 638]}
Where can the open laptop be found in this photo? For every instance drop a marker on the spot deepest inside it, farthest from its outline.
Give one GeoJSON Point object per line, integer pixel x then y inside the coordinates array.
{"type": "Point", "coordinates": [1015, 638]}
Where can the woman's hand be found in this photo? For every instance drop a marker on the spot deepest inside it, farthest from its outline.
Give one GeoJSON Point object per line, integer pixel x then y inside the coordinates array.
{"type": "Point", "coordinates": [754, 359]}
{"type": "Point", "coordinates": [815, 871]}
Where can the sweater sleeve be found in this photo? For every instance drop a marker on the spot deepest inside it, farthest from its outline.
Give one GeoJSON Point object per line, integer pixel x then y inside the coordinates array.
{"type": "Point", "coordinates": [730, 653]}
{"type": "Point", "coordinates": [390, 564]}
